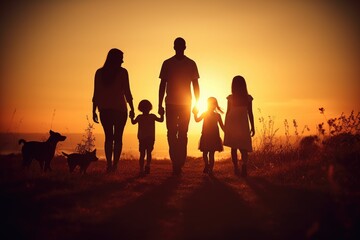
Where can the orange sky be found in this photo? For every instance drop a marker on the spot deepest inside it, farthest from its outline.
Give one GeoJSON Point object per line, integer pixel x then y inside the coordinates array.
{"type": "Point", "coordinates": [296, 56]}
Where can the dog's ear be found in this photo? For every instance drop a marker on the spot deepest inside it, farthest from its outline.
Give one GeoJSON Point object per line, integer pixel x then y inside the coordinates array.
{"type": "Point", "coordinates": [51, 132]}
{"type": "Point", "coordinates": [94, 151]}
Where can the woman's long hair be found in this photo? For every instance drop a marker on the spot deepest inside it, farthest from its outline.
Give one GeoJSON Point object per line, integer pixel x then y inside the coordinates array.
{"type": "Point", "coordinates": [239, 91]}
{"type": "Point", "coordinates": [112, 65]}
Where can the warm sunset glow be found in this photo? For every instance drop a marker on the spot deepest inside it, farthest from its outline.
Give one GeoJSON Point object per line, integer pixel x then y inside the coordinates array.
{"type": "Point", "coordinates": [296, 56]}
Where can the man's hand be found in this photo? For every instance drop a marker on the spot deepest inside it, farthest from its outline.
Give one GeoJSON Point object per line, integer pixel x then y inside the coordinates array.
{"type": "Point", "coordinates": [195, 110]}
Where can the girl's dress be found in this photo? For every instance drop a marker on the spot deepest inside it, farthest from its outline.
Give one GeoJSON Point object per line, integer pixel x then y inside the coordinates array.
{"type": "Point", "coordinates": [237, 131]}
{"type": "Point", "coordinates": [210, 137]}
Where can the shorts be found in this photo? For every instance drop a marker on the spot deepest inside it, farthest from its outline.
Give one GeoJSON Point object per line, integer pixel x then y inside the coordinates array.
{"type": "Point", "coordinates": [146, 144]}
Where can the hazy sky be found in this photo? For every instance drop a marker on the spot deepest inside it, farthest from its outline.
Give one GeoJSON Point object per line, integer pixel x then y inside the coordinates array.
{"type": "Point", "coordinates": [296, 56]}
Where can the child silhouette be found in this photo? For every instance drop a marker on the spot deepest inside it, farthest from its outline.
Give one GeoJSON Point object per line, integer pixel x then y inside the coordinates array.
{"type": "Point", "coordinates": [146, 133]}
{"type": "Point", "coordinates": [237, 132]}
{"type": "Point", "coordinates": [210, 140]}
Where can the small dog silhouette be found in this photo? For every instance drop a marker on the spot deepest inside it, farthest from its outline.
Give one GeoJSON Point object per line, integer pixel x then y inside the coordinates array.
{"type": "Point", "coordinates": [41, 151]}
{"type": "Point", "coordinates": [82, 160]}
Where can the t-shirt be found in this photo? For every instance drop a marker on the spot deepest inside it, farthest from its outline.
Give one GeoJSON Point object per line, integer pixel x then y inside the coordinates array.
{"type": "Point", "coordinates": [113, 95]}
{"type": "Point", "coordinates": [146, 126]}
{"type": "Point", "coordinates": [179, 74]}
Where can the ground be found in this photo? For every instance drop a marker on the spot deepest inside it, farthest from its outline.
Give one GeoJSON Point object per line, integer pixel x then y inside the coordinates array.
{"type": "Point", "coordinates": [124, 205]}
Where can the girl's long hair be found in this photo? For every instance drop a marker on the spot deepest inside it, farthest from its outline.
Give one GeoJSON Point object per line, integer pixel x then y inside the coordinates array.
{"type": "Point", "coordinates": [239, 91]}
{"type": "Point", "coordinates": [213, 102]}
{"type": "Point", "coordinates": [111, 66]}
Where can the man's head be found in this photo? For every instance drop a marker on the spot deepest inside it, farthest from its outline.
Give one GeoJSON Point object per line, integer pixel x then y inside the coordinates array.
{"type": "Point", "coordinates": [179, 46]}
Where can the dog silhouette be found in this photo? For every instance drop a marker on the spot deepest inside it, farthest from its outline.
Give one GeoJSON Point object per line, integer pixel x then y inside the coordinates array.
{"type": "Point", "coordinates": [82, 160]}
{"type": "Point", "coordinates": [41, 151]}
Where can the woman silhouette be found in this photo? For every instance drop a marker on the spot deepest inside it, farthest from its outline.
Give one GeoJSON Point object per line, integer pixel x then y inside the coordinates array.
{"type": "Point", "coordinates": [111, 93]}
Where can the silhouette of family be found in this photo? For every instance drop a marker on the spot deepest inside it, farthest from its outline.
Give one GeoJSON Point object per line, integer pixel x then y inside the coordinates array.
{"type": "Point", "coordinates": [178, 76]}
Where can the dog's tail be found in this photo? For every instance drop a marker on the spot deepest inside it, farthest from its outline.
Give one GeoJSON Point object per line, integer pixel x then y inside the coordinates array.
{"type": "Point", "coordinates": [21, 141]}
{"type": "Point", "coordinates": [65, 154]}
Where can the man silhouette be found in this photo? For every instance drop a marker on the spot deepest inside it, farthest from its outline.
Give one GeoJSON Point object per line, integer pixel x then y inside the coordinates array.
{"type": "Point", "coordinates": [177, 75]}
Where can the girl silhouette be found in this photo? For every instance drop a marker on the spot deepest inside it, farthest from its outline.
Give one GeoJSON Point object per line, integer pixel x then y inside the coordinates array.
{"type": "Point", "coordinates": [237, 132]}
{"type": "Point", "coordinates": [111, 93]}
{"type": "Point", "coordinates": [210, 140]}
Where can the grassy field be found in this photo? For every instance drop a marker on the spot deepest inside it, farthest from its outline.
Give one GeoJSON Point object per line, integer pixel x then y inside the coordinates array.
{"type": "Point", "coordinates": [280, 199]}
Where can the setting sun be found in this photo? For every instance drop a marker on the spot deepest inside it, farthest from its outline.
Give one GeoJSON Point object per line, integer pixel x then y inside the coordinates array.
{"type": "Point", "coordinates": [292, 64]}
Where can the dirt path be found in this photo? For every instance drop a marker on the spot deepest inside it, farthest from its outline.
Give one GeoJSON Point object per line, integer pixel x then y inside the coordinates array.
{"type": "Point", "coordinates": [161, 206]}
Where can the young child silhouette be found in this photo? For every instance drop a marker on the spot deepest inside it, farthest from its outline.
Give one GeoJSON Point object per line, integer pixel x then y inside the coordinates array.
{"type": "Point", "coordinates": [146, 133]}
{"type": "Point", "coordinates": [210, 140]}
{"type": "Point", "coordinates": [237, 132]}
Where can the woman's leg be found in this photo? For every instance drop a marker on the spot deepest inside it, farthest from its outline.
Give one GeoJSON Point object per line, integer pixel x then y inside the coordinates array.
{"type": "Point", "coordinates": [119, 125]}
{"type": "Point", "coordinates": [107, 123]}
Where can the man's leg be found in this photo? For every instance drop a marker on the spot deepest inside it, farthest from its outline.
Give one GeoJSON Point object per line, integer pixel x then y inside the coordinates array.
{"type": "Point", "coordinates": [172, 129]}
{"type": "Point", "coordinates": [184, 119]}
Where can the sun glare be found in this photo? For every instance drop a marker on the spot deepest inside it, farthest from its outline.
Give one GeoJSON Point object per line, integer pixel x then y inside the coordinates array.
{"type": "Point", "coordinates": [201, 105]}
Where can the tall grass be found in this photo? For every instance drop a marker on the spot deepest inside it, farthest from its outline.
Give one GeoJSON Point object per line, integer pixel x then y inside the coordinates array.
{"type": "Point", "coordinates": [88, 141]}
{"type": "Point", "coordinates": [334, 152]}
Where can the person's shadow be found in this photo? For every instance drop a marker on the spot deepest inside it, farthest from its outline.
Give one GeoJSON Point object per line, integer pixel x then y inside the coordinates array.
{"type": "Point", "coordinates": [216, 211]}
{"type": "Point", "coordinates": [301, 213]}
{"type": "Point", "coordinates": [138, 219]}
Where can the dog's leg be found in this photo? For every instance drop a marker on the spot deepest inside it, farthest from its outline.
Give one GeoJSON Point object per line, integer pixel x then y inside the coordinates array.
{"type": "Point", "coordinates": [41, 164]}
{"type": "Point", "coordinates": [72, 168]}
{"type": "Point", "coordinates": [47, 166]}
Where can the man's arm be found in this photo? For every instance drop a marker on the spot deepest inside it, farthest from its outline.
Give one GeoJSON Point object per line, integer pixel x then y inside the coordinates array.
{"type": "Point", "coordinates": [162, 88]}
{"type": "Point", "coordinates": [196, 89]}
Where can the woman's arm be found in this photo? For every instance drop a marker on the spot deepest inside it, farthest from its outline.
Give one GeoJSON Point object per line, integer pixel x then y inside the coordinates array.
{"type": "Point", "coordinates": [251, 118]}
{"type": "Point", "coordinates": [128, 95]}
{"type": "Point", "coordinates": [94, 99]}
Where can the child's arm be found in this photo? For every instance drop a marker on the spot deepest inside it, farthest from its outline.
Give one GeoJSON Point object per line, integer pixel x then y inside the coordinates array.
{"type": "Point", "coordinates": [251, 118]}
{"type": "Point", "coordinates": [220, 121]}
{"type": "Point", "coordinates": [195, 111]}
{"type": "Point", "coordinates": [134, 121]}
{"type": "Point", "coordinates": [159, 119]}
{"type": "Point", "coordinates": [198, 119]}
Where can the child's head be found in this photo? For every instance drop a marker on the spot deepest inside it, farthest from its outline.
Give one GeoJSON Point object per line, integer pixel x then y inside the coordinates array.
{"type": "Point", "coordinates": [238, 86]}
{"type": "Point", "coordinates": [213, 105]}
{"type": "Point", "coordinates": [145, 106]}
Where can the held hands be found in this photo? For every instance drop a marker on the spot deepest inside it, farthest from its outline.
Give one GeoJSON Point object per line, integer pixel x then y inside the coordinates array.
{"type": "Point", "coordinates": [161, 111]}
{"type": "Point", "coordinates": [195, 110]}
{"type": "Point", "coordinates": [131, 114]}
